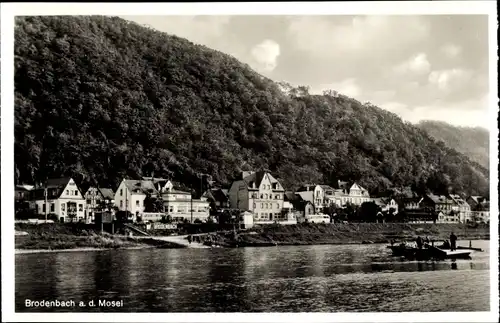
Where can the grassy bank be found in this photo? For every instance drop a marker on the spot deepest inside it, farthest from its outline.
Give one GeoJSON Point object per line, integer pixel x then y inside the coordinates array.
{"type": "Point", "coordinates": [75, 236]}
{"type": "Point", "coordinates": [308, 233]}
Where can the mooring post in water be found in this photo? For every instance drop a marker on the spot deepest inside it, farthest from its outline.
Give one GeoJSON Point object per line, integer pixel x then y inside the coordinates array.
{"type": "Point", "coordinates": [470, 243]}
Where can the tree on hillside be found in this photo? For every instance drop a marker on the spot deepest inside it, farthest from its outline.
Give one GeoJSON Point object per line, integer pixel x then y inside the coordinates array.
{"type": "Point", "coordinates": [131, 100]}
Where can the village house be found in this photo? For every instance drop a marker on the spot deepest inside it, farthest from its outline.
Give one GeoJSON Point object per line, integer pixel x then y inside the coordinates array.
{"type": "Point", "coordinates": [386, 204]}
{"type": "Point", "coordinates": [98, 200]}
{"type": "Point", "coordinates": [480, 209]}
{"type": "Point", "coordinates": [355, 194]}
{"type": "Point", "coordinates": [259, 193]}
{"type": "Point", "coordinates": [409, 203]}
{"type": "Point", "coordinates": [301, 208]}
{"type": "Point", "coordinates": [444, 204]}
{"type": "Point", "coordinates": [22, 192]}
{"type": "Point", "coordinates": [314, 194]}
{"type": "Point", "coordinates": [181, 206]}
{"type": "Point", "coordinates": [329, 195]}
{"type": "Point", "coordinates": [463, 208]}
{"type": "Point", "coordinates": [218, 198]}
{"type": "Point", "coordinates": [64, 200]}
{"type": "Point", "coordinates": [130, 196]}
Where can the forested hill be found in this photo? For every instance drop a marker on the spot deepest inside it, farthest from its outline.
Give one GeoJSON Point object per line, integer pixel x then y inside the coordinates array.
{"type": "Point", "coordinates": [473, 142]}
{"type": "Point", "coordinates": [101, 98]}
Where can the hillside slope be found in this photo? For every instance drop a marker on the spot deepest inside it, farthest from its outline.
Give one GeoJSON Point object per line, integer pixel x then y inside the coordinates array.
{"type": "Point", "coordinates": [100, 98]}
{"type": "Point", "coordinates": [472, 142]}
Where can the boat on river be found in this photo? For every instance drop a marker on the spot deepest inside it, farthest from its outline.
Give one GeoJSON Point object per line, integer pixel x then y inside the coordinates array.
{"type": "Point", "coordinates": [429, 252]}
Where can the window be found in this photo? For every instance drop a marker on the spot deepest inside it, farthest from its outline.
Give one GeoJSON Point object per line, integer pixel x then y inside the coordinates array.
{"type": "Point", "coordinates": [137, 203]}
{"type": "Point", "coordinates": [52, 207]}
{"type": "Point", "coordinates": [261, 196]}
{"type": "Point", "coordinates": [265, 196]}
{"type": "Point", "coordinates": [63, 207]}
{"type": "Point", "coordinates": [76, 193]}
{"type": "Point", "coordinates": [43, 207]}
{"type": "Point", "coordinates": [80, 207]}
{"type": "Point", "coordinates": [121, 192]}
{"type": "Point", "coordinates": [67, 192]}
{"type": "Point", "coordinates": [121, 203]}
{"type": "Point", "coordinates": [88, 201]}
{"type": "Point", "coordinates": [171, 209]}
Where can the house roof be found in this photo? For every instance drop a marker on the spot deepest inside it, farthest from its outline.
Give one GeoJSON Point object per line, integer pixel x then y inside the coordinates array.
{"type": "Point", "coordinates": [141, 187]}
{"type": "Point", "coordinates": [55, 188]}
{"type": "Point", "coordinates": [107, 193]}
{"type": "Point", "coordinates": [306, 188]}
{"type": "Point", "coordinates": [326, 187]}
{"type": "Point", "coordinates": [290, 196]}
{"type": "Point", "coordinates": [257, 178]}
{"type": "Point", "coordinates": [458, 199]}
{"type": "Point", "coordinates": [216, 194]}
{"type": "Point", "coordinates": [478, 199]}
{"type": "Point", "coordinates": [440, 199]}
{"type": "Point", "coordinates": [379, 201]}
{"type": "Point", "coordinates": [356, 186]}
{"type": "Point", "coordinates": [24, 187]}
{"type": "Point", "coordinates": [58, 182]}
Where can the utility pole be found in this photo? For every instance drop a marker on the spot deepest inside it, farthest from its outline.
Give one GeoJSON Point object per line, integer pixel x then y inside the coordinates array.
{"type": "Point", "coordinates": [191, 203]}
{"type": "Point", "coordinates": [45, 194]}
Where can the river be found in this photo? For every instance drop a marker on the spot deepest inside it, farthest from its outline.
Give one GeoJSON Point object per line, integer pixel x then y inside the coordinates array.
{"type": "Point", "coordinates": [322, 278]}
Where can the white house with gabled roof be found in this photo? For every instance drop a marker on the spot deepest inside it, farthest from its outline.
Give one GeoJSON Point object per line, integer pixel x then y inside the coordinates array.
{"type": "Point", "coordinates": [64, 200]}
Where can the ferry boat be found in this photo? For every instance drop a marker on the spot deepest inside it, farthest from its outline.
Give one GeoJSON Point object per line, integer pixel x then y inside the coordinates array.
{"type": "Point", "coordinates": [410, 251]}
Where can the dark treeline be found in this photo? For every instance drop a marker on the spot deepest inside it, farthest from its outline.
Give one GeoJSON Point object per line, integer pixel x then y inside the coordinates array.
{"type": "Point", "coordinates": [100, 98]}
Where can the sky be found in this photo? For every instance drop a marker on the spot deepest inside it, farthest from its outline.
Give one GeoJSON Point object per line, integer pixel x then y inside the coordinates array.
{"type": "Point", "coordinates": [432, 67]}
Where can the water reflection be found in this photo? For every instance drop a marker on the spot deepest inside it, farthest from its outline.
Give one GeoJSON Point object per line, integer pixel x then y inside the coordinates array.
{"type": "Point", "coordinates": [275, 279]}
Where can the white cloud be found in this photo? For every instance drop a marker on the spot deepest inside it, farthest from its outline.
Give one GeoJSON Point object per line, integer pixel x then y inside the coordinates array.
{"type": "Point", "coordinates": [376, 35]}
{"type": "Point", "coordinates": [451, 79]}
{"type": "Point", "coordinates": [451, 50]}
{"type": "Point", "coordinates": [266, 55]}
{"type": "Point", "coordinates": [417, 64]}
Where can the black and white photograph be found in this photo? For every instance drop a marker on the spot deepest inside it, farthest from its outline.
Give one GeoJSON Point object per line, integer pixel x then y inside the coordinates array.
{"type": "Point", "coordinates": [168, 159]}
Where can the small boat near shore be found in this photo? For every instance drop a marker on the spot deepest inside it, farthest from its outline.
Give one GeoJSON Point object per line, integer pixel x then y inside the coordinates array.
{"type": "Point", "coordinates": [429, 252]}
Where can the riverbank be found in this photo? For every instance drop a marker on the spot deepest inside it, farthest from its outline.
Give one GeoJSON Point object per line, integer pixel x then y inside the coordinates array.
{"type": "Point", "coordinates": [355, 233]}
{"type": "Point", "coordinates": [78, 237]}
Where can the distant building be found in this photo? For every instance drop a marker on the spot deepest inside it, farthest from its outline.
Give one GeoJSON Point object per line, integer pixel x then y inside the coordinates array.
{"type": "Point", "coordinates": [22, 192]}
{"type": "Point", "coordinates": [96, 199]}
{"type": "Point", "coordinates": [64, 200]}
{"type": "Point", "coordinates": [218, 198]}
{"type": "Point", "coordinates": [260, 193]}
{"type": "Point", "coordinates": [386, 204]}
{"type": "Point", "coordinates": [421, 216]}
{"type": "Point", "coordinates": [181, 206]}
{"type": "Point", "coordinates": [444, 204]}
{"type": "Point", "coordinates": [463, 208]}
{"type": "Point", "coordinates": [130, 196]}
{"type": "Point", "coordinates": [409, 203]}
{"type": "Point", "coordinates": [314, 194]}
{"type": "Point", "coordinates": [300, 207]}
